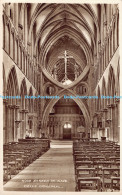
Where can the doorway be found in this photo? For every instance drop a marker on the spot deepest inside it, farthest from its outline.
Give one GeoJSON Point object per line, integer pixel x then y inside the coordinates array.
{"type": "Point", "coordinates": [67, 131]}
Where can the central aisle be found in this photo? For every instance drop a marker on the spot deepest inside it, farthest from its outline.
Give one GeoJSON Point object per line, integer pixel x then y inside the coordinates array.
{"type": "Point", "coordinates": [53, 171]}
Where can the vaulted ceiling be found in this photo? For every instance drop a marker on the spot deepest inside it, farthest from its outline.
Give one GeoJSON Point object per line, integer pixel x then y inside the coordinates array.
{"type": "Point", "coordinates": [64, 27]}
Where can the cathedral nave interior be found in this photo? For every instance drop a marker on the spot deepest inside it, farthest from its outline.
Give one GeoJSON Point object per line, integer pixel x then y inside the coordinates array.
{"type": "Point", "coordinates": [58, 50]}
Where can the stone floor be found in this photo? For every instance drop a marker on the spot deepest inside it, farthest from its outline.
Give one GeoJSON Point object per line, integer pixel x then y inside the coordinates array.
{"type": "Point", "coordinates": [53, 171]}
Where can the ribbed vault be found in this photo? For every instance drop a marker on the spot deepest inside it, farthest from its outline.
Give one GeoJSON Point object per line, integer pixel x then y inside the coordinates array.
{"type": "Point", "coordinates": [64, 27]}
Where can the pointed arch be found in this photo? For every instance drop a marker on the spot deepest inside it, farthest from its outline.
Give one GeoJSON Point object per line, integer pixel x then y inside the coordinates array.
{"type": "Point", "coordinates": [12, 86]}
{"type": "Point", "coordinates": [79, 102]}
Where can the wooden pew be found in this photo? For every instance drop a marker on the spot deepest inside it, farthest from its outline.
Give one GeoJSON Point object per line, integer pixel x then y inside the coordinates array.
{"type": "Point", "coordinates": [115, 186]}
{"type": "Point", "coordinates": [12, 163]}
{"type": "Point", "coordinates": [89, 183]}
{"type": "Point", "coordinates": [83, 163]}
{"type": "Point", "coordinates": [79, 155]}
{"type": "Point", "coordinates": [79, 158]}
{"type": "Point", "coordinates": [98, 158]}
{"type": "Point", "coordinates": [20, 154]}
{"type": "Point", "coordinates": [102, 156]}
{"type": "Point", "coordinates": [6, 169]}
{"type": "Point", "coordinates": [106, 176]}
{"type": "Point", "coordinates": [90, 172]}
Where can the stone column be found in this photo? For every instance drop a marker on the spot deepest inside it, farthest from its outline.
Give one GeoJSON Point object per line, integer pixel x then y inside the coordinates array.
{"type": "Point", "coordinates": [41, 102]}
{"type": "Point", "coordinates": [17, 122]}
{"type": "Point", "coordinates": [7, 8]}
{"type": "Point", "coordinates": [51, 128]}
{"type": "Point", "coordinates": [60, 132]}
{"type": "Point", "coordinates": [16, 15]}
{"type": "Point", "coordinates": [73, 130]}
{"type": "Point", "coordinates": [105, 29]}
{"type": "Point", "coordinates": [117, 122]}
{"type": "Point", "coordinates": [26, 112]}
{"type": "Point", "coordinates": [25, 30]}
{"type": "Point", "coordinates": [8, 122]}
{"type": "Point", "coordinates": [6, 36]}
{"type": "Point", "coordinates": [22, 59]}
{"type": "Point", "coordinates": [104, 121]}
{"type": "Point", "coordinates": [114, 121]}
{"type": "Point", "coordinates": [118, 111]}
{"type": "Point", "coordinates": [109, 117]}
{"type": "Point", "coordinates": [56, 131]}
{"type": "Point", "coordinates": [87, 127]}
{"type": "Point", "coordinates": [21, 124]}
{"type": "Point", "coordinates": [94, 126]}
{"type": "Point", "coordinates": [5, 110]}
{"type": "Point", "coordinates": [98, 133]}
{"type": "Point", "coordinates": [111, 120]}
{"type": "Point", "coordinates": [12, 123]}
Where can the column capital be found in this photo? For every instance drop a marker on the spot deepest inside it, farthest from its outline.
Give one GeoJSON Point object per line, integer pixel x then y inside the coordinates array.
{"type": "Point", "coordinates": [17, 106]}
{"type": "Point", "coordinates": [111, 105]}
{"type": "Point", "coordinates": [105, 110]}
{"type": "Point", "coordinates": [20, 26]}
{"type": "Point", "coordinates": [99, 42]}
{"type": "Point", "coordinates": [29, 43]}
{"type": "Point", "coordinates": [13, 30]}
{"type": "Point", "coordinates": [11, 106]}
{"type": "Point", "coordinates": [5, 101]}
{"type": "Point", "coordinates": [105, 23]}
{"type": "Point", "coordinates": [24, 111]}
{"type": "Point", "coordinates": [117, 100]}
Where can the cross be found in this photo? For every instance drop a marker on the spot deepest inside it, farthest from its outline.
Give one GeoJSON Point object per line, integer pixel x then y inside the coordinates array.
{"type": "Point", "coordinates": [65, 57]}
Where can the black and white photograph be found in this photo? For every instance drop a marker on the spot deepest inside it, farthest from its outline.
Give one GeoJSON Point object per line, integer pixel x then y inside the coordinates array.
{"type": "Point", "coordinates": [60, 97]}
